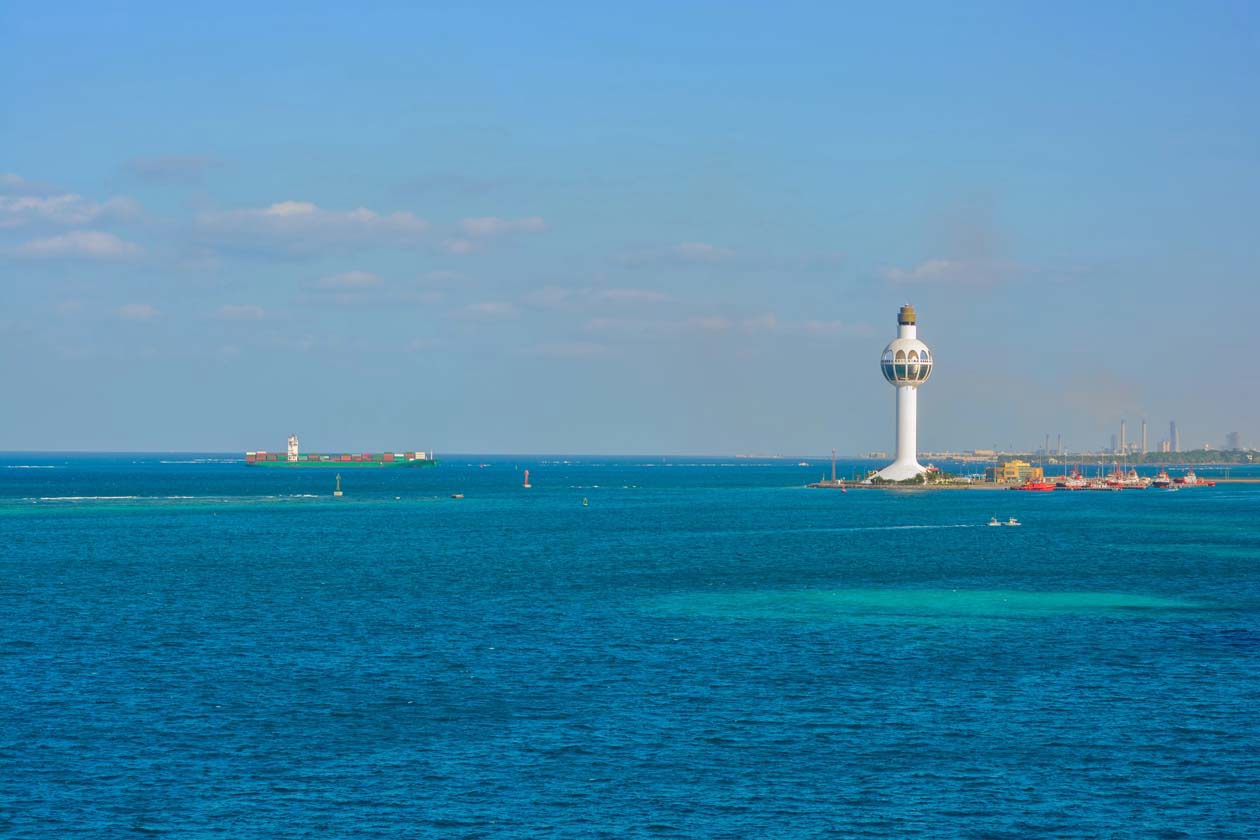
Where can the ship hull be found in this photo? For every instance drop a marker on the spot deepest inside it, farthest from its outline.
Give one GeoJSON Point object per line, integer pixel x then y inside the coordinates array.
{"type": "Point", "coordinates": [345, 465]}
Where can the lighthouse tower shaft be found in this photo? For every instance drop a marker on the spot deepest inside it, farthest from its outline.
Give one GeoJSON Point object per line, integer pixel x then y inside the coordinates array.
{"type": "Point", "coordinates": [906, 364]}
{"type": "Point", "coordinates": [907, 459]}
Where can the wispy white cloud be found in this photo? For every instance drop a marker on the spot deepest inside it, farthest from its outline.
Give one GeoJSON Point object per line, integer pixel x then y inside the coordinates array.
{"type": "Point", "coordinates": [709, 323]}
{"type": "Point", "coordinates": [765, 322]}
{"type": "Point", "coordinates": [183, 169]}
{"type": "Point", "coordinates": [240, 312]}
{"type": "Point", "coordinates": [64, 209]}
{"type": "Point", "coordinates": [80, 244]}
{"type": "Point", "coordinates": [351, 280]}
{"type": "Point", "coordinates": [569, 349]}
{"type": "Point", "coordinates": [13, 184]}
{"type": "Point", "coordinates": [136, 312]}
{"type": "Point", "coordinates": [302, 227]}
{"type": "Point", "coordinates": [700, 252]}
{"type": "Point", "coordinates": [699, 324]}
{"type": "Point", "coordinates": [475, 233]}
{"type": "Point", "coordinates": [557, 297]}
{"type": "Point", "coordinates": [714, 324]}
{"type": "Point", "coordinates": [681, 254]}
{"type": "Point", "coordinates": [632, 295]}
{"type": "Point", "coordinates": [491, 309]}
{"type": "Point", "coordinates": [839, 329]}
{"type": "Point", "coordinates": [551, 297]}
{"type": "Point", "coordinates": [460, 246]}
{"type": "Point", "coordinates": [953, 272]}
{"type": "Point", "coordinates": [298, 343]}
{"type": "Point", "coordinates": [442, 278]}
{"type": "Point", "coordinates": [449, 184]}
{"type": "Point", "coordinates": [494, 226]}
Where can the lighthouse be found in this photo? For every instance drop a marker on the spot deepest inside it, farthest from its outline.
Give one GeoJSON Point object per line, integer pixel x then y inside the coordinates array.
{"type": "Point", "coordinates": [906, 364]}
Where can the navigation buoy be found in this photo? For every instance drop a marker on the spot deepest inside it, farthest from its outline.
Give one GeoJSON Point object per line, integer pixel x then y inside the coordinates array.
{"type": "Point", "coordinates": [527, 484]}
{"type": "Point", "coordinates": [337, 492]}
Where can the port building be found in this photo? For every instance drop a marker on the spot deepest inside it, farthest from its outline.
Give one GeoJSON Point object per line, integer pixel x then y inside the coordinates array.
{"type": "Point", "coordinates": [1013, 471]}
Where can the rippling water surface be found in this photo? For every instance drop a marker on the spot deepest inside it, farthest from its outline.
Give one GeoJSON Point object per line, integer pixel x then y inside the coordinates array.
{"type": "Point", "coordinates": [193, 648]}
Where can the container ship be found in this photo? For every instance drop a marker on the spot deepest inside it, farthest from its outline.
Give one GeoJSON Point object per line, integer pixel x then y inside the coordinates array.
{"type": "Point", "coordinates": [294, 458]}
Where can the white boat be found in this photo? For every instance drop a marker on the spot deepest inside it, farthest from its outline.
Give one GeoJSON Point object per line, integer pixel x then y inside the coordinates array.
{"type": "Point", "coordinates": [1013, 522]}
{"type": "Point", "coordinates": [993, 523]}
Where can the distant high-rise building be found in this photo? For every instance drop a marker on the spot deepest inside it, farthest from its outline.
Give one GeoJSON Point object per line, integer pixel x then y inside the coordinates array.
{"type": "Point", "coordinates": [1113, 445]}
{"type": "Point", "coordinates": [1144, 448]}
{"type": "Point", "coordinates": [1164, 446]}
{"type": "Point", "coordinates": [1231, 441]}
{"type": "Point", "coordinates": [1173, 440]}
{"type": "Point", "coordinates": [1124, 446]}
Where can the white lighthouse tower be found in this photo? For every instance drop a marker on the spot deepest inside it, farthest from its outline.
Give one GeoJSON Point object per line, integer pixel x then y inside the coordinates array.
{"type": "Point", "coordinates": [906, 364]}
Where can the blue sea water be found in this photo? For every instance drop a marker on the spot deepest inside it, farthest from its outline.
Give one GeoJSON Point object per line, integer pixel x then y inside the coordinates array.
{"type": "Point", "coordinates": [192, 648]}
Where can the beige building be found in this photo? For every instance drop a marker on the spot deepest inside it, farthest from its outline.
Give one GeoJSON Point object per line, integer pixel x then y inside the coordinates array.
{"type": "Point", "coordinates": [1014, 471]}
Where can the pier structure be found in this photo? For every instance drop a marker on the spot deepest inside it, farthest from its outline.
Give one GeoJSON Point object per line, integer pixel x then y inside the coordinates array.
{"type": "Point", "coordinates": [906, 364]}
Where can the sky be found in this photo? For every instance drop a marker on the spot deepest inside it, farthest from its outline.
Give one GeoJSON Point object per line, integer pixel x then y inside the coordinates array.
{"type": "Point", "coordinates": [656, 228]}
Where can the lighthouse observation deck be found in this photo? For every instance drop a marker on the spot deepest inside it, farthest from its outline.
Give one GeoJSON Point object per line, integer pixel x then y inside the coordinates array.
{"type": "Point", "coordinates": [906, 361]}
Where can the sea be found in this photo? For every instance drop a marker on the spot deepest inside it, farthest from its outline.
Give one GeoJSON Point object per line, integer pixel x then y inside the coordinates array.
{"type": "Point", "coordinates": [633, 647]}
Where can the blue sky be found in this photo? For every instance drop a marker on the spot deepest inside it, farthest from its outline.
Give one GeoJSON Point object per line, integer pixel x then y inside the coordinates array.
{"type": "Point", "coordinates": [664, 228]}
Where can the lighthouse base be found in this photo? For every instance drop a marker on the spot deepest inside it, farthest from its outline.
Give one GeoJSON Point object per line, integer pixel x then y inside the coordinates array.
{"type": "Point", "coordinates": [901, 471]}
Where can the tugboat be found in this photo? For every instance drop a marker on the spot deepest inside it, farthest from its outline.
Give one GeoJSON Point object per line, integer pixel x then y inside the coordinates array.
{"type": "Point", "coordinates": [1072, 482]}
{"type": "Point", "coordinates": [1161, 480]}
{"type": "Point", "coordinates": [1120, 480]}
{"type": "Point", "coordinates": [1189, 478]}
{"type": "Point", "coordinates": [1031, 486]}
{"type": "Point", "coordinates": [1192, 480]}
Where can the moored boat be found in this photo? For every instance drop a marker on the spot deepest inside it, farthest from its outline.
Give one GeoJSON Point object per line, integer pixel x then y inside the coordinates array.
{"type": "Point", "coordinates": [1031, 486]}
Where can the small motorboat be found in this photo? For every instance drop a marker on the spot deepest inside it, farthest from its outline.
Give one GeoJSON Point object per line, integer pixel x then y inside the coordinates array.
{"type": "Point", "coordinates": [585, 502]}
{"type": "Point", "coordinates": [457, 495]}
{"type": "Point", "coordinates": [993, 523]}
{"type": "Point", "coordinates": [1013, 522]}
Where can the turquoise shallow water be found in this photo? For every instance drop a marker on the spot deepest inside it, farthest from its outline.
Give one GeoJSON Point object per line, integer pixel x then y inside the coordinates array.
{"type": "Point", "coordinates": [195, 649]}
